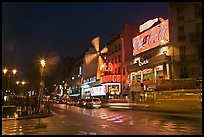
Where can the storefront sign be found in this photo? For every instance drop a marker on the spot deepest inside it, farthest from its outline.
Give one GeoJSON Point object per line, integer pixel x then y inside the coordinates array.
{"type": "Point", "coordinates": [113, 89]}
{"type": "Point", "coordinates": [110, 78]}
{"type": "Point", "coordinates": [160, 67]}
{"type": "Point", "coordinates": [98, 91]}
{"type": "Point", "coordinates": [142, 62]}
{"type": "Point", "coordinates": [136, 73]}
{"type": "Point", "coordinates": [151, 38]}
{"type": "Point", "coordinates": [146, 71]}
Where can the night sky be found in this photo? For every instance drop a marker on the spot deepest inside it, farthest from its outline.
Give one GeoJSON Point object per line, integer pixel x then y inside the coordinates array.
{"type": "Point", "coordinates": [31, 30]}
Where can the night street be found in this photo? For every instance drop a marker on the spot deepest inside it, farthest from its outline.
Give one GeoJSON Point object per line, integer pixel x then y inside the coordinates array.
{"type": "Point", "coordinates": [102, 68]}
{"type": "Point", "coordinates": [71, 120]}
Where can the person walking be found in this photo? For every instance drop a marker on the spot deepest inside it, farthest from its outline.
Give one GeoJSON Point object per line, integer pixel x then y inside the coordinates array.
{"type": "Point", "coordinates": [27, 103]}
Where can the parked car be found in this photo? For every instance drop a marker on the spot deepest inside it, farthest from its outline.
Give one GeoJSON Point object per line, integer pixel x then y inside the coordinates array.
{"type": "Point", "coordinates": [93, 103]}
{"type": "Point", "coordinates": [82, 103]}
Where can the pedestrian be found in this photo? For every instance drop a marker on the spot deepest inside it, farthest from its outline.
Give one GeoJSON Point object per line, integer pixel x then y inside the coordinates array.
{"type": "Point", "coordinates": [32, 104]}
{"type": "Point", "coordinates": [27, 103]}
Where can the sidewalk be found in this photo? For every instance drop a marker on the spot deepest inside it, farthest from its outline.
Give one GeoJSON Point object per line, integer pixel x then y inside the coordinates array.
{"type": "Point", "coordinates": [13, 112]}
{"type": "Point", "coordinates": [28, 117]}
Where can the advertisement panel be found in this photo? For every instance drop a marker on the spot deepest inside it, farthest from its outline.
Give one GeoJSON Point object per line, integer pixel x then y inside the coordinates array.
{"type": "Point", "coordinates": [158, 35]}
{"type": "Point", "coordinates": [98, 91]}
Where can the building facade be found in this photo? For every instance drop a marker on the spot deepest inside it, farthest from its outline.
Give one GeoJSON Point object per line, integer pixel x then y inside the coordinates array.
{"type": "Point", "coordinates": [75, 79]}
{"type": "Point", "coordinates": [185, 21]}
{"type": "Point", "coordinates": [120, 54]}
{"type": "Point", "coordinates": [151, 57]}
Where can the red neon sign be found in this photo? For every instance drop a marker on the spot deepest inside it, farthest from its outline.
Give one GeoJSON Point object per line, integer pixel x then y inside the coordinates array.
{"type": "Point", "coordinates": [107, 67]}
{"type": "Point", "coordinates": [151, 38]}
{"type": "Point", "coordinates": [110, 78]}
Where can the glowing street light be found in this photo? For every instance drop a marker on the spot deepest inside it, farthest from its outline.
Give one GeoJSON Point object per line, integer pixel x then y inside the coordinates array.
{"type": "Point", "coordinates": [22, 83]}
{"type": "Point", "coordinates": [8, 73]}
{"type": "Point", "coordinates": [42, 63]}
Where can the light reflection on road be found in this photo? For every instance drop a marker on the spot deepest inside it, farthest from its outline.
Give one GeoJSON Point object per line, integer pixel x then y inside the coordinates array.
{"type": "Point", "coordinates": [132, 121]}
{"type": "Point", "coordinates": [160, 122]}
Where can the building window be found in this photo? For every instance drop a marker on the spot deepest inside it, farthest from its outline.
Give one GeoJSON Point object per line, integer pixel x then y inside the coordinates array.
{"type": "Point", "coordinates": [179, 11]}
{"type": "Point", "coordinates": [119, 70]}
{"type": "Point", "coordinates": [116, 59]}
{"type": "Point", "coordinates": [182, 50]}
{"type": "Point", "coordinates": [198, 10]}
{"type": "Point", "coordinates": [116, 48]}
{"type": "Point", "coordinates": [180, 14]}
{"type": "Point", "coordinates": [119, 46]}
{"type": "Point", "coordinates": [113, 50]}
{"type": "Point", "coordinates": [184, 73]}
{"type": "Point", "coordinates": [181, 34]}
{"type": "Point", "coordinates": [119, 58]}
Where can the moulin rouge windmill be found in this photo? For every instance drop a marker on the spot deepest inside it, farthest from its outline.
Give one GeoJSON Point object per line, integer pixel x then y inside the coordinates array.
{"type": "Point", "coordinates": [89, 57]}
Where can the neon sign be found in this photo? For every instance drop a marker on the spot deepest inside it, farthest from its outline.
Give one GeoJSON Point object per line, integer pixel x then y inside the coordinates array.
{"type": "Point", "coordinates": [151, 38]}
{"type": "Point", "coordinates": [113, 89]}
{"type": "Point", "coordinates": [148, 24]}
{"type": "Point", "coordinates": [110, 78]}
{"type": "Point", "coordinates": [143, 62]}
{"type": "Point", "coordinates": [107, 67]}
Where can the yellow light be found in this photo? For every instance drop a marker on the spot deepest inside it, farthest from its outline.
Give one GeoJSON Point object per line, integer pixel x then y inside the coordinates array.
{"type": "Point", "coordinates": [23, 82]}
{"type": "Point", "coordinates": [161, 40]}
{"type": "Point", "coordinates": [42, 62]}
{"type": "Point", "coordinates": [17, 82]}
{"type": "Point", "coordinates": [5, 71]}
{"type": "Point", "coordinates": [14, 71]}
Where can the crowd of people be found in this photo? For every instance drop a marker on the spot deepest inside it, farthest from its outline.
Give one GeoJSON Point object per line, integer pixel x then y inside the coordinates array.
{"type": "Point", "coordinates": [29, 105]}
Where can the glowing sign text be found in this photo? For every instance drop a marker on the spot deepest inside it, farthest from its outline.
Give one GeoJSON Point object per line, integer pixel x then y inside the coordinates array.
{"type": "Point", "coordinates": [110, 78]}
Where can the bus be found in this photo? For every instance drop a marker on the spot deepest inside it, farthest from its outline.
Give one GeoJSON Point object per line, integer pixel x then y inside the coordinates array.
{"type": "Point", "coordinates": [179, 100]}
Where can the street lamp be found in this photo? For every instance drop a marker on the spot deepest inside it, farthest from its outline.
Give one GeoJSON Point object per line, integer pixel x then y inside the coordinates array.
{"type": "Point", "coordinates": [22, 83]}
{"type": "Point", "coordinates": [42, 63]}
{"type": "Point", "coordinates": [8, 73]}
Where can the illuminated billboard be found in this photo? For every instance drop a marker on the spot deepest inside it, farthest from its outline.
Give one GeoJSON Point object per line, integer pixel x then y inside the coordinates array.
{"type": "Point", "coordinates": [158, 35]}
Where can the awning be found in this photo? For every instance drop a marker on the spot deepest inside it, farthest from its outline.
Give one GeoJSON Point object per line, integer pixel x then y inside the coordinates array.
{"type": "Point", "coordinates": [93, 84]}
{"type": "Point", "coordinates": [152, 62]}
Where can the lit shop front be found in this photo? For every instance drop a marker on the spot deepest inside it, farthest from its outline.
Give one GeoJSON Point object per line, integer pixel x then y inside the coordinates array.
{"type": "Point", "coordinates": [110, 81]}
{"type": "Point", "coordinates": [86, 87]}
{"type": "Point", "coordinates": [151, 62]}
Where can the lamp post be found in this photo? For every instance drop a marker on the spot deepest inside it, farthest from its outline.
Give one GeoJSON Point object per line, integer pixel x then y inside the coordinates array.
{"type": "Point", "coordinates": [8, 73]}
{"type": "Point", "coordinates": [42, 63]}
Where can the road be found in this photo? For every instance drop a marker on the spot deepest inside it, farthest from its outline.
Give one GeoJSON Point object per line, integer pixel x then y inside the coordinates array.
{"type": "Point", "coordinates": [71, 120]}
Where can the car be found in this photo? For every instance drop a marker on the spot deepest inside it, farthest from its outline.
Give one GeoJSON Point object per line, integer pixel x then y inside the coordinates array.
{"type": "Point", "coordinates": [93, 103]}
{"type": "Point", "coordinates": [82, 103]}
